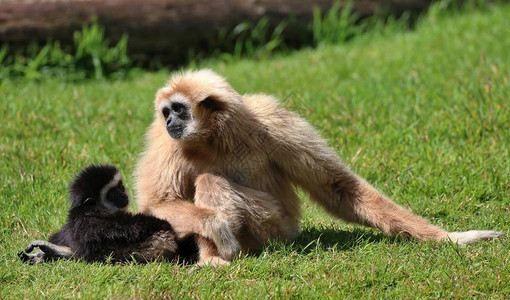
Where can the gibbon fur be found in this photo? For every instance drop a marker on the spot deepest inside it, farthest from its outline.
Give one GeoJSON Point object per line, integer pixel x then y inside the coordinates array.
{"type": "Point", "coordinates": [99, 229]}
{"type": "Point", "coordinates": [225, 166]}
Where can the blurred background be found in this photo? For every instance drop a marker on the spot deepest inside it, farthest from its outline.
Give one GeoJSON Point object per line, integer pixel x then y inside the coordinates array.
{"type": "Point", "coordinates": [97, 38]}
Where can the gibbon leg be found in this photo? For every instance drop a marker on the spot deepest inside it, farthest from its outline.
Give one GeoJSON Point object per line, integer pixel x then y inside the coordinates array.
{"type": "Point", "coordinates": [187, 218]}
{"type": "Point", "coordinates": [48, 251]}
{"type": "Point", "coordinates": [33, 258]}
{"type": "Point", "coordinates": [254, 217]}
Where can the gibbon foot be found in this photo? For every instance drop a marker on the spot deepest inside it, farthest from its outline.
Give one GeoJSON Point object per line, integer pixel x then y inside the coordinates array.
{"type": "Point", "coordinates": [48, 251]}
{"type": "Point", "coordinates": [209, 254]}
{"type": "Point", "coordinates": [472, 236]}
{"type": "Point", "coordinates": [214, 261]}
{"type": "Point", "coordinates": [33, 258]}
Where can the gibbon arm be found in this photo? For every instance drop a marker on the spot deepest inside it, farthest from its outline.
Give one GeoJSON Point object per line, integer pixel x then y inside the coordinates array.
{"type": "Point", "coordinates": [164, 195]}
{"type": "Point", "coordinates": [307, 160]}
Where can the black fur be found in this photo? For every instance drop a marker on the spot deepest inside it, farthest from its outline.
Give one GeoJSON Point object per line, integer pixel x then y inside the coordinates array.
{"type": "Point", "coordinates": [97, 234]}
{"type": "Point", "coordinates": [88, 183]}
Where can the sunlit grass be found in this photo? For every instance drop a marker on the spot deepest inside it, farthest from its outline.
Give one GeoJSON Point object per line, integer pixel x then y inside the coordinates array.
{"type": "Point", "coordinates": [423, 115]}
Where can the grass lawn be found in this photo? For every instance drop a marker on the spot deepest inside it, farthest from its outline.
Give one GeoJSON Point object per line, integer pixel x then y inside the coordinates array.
{"type": "Point", "coordinates": [423, 115]}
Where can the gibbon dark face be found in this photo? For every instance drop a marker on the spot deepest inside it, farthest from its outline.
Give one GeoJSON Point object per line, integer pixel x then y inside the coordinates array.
{"type": "Point", "coordinates": [177, 115]}
{"type": "Point", "coordinates": [193, 108]}
{"type": "Point", "coordinates": [186, 117]}
{"type": "Point", "coordinates": [99, 185]}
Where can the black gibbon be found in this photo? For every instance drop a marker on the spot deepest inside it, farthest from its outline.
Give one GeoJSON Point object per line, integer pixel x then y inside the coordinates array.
{"type": "Point", "coordinates": [99, 229]}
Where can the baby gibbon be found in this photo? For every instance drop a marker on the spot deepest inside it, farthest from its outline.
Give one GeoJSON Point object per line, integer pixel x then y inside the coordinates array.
{"type": "Point", "coordinates": [225, 167]}
{"type": "Point", "coordinates": [99, 229]}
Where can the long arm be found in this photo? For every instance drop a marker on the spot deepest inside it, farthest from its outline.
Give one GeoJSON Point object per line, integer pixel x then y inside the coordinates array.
{"type": "Point", "coordinates": [307, 160]}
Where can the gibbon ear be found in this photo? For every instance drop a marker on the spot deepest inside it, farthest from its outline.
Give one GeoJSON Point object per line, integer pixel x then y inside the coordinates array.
{"type": "Point", "coordinates": [213, 103]}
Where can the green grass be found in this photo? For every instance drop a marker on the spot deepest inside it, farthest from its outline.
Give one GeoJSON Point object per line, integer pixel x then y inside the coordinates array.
{"type": "Point", "coordinates": [423, 115]}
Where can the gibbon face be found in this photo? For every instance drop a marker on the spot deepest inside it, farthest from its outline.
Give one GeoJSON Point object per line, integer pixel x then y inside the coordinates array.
{"type": "Point", "coordinates": [192, 104]}
{"type": "Point", "coordinates": [99, 186]}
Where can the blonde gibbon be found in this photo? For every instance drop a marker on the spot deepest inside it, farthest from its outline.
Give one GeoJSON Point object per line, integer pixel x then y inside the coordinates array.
{"type": "Point", "coordinates": [224, 166]}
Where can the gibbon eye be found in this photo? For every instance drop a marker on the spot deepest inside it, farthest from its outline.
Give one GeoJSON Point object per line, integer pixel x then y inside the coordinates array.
{"type": "Point", "coordinates": [166, 112]}
{"type": "Point", "coordinates": [89, 201]}
{"type": "Point", "coordinates": [178, 107]}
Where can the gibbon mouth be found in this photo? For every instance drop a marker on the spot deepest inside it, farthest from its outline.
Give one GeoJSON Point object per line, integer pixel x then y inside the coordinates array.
{"type": "Point", "coordinates": [175, 132]}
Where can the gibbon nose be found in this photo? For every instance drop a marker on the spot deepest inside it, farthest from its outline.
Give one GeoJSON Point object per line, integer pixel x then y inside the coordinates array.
{"type": "Point", "coordinates": [173, 123]}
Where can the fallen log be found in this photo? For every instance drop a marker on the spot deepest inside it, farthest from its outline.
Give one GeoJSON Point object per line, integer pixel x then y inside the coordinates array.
{"type": "Point", "coordinates": [163, 29]}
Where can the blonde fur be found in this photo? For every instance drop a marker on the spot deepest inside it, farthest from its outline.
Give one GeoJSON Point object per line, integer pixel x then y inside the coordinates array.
{"type": "Point", "coordinates": [231, 178]}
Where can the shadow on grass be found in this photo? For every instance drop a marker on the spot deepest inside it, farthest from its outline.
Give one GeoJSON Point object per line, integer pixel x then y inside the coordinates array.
{"type": "Point", "coordinates": [312, 239]}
